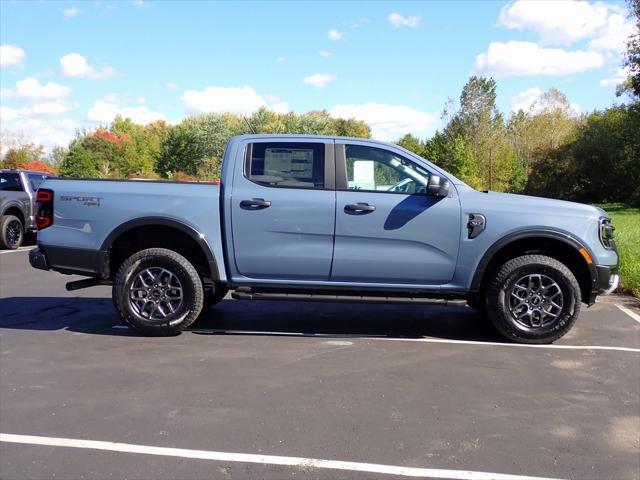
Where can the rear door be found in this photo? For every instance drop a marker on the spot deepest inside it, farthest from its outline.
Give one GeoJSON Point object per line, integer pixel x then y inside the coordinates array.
{"type": "Point", "coordinates": [283, 209]}
{"type": "Point", "coordinates": [388, 230]}
{"type": "Point", "coordinates": [13, 193]}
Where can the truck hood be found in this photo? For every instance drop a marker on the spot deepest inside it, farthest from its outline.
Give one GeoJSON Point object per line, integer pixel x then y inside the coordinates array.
{"type": "Point", "coordinates": [529, 204]}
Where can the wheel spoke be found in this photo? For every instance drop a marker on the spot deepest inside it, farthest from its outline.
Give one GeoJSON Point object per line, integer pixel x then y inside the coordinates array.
{"type": "Point", "coordinates": [155, 293]}
{"type": "Point", "coordinates": [535, 300]}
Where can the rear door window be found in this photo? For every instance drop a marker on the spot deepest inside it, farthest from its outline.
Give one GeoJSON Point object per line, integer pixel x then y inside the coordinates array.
{"type": "Point", "coordinates": [286, 165]}
{"type": "Point", "coordinates": [10, 182]}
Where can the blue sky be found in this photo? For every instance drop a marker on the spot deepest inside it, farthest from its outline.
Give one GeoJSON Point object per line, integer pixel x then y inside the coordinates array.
{"type": "Point", "coordinates": [68, 65]}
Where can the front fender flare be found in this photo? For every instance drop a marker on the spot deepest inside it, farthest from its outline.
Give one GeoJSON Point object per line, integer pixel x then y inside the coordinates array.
{"type": "Point", "coordinates": [558, 234]}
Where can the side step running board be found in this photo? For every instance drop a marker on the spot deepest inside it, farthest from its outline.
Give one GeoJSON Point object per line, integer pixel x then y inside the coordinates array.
{"type": "Point", "coordinates": [321, 297]}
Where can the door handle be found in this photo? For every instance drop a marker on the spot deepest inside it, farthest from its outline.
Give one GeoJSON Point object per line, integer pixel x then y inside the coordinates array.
{"type": "Point", "coordinates": [255, 204]}
{"type": "Point", "coordinates": [359, 208]}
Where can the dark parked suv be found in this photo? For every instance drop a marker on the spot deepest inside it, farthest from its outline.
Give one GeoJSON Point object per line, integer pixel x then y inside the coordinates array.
{"type": "Point", "coordinates": [17, 205]}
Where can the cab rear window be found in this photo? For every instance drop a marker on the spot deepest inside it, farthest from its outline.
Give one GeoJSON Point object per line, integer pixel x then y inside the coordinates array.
{"type": "Point", "coordinates": [10, 182]}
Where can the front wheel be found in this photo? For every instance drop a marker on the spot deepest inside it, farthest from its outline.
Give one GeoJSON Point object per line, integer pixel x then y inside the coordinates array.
{"type": "Point", "coordinates": [11, 232]}
{"type": "Point", "coordinates": [158, 292]}
{"type": "Point", "coordinates": [533, 299]}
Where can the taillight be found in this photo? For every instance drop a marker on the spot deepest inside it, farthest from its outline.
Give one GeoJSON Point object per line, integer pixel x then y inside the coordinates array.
{"type": "Point", "coordinates": [44, 208]}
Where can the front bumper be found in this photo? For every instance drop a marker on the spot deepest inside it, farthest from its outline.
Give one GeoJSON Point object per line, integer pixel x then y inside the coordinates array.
{"type": "Point", "coordinates": [38, 259]}
{"type": "Point", "coordinates": [607, 280]}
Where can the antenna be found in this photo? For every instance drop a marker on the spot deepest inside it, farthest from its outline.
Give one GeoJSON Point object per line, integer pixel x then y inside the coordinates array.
{"type": "Point", "coordinates": [252, 128]}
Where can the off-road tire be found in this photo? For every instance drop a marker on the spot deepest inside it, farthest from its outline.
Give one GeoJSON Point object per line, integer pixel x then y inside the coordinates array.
{"type": "Point", "coordinates": [192, 292]}
{"type": "Point", "coordinates": [498, 302]}
{"type": "Point", "coordinates": [8, 222]}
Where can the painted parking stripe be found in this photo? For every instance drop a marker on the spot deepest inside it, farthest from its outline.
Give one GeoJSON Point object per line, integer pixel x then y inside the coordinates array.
{"type": "Point", "coordinates": [19, 249]}
{"type": "Point", "coordinates": [299, 462]}
{"type": "Point", "coordinates": [429, 340]}
{"type": "Point", "coordinates": [629, 312]}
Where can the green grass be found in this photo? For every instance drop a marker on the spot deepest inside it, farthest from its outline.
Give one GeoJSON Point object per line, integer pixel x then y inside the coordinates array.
{"type": "Point", "coordinates": [626, 220]}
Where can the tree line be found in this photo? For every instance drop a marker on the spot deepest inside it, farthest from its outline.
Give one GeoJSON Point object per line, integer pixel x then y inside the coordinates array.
{"type": "Point", "coordinates": [548, 149]}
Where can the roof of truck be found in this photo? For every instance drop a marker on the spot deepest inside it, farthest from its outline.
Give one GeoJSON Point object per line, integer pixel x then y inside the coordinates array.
{"type": "Point", "coordinates": [18, 170]}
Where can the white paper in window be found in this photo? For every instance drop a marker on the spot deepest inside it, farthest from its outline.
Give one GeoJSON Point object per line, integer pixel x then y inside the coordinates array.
{"type": "Point", "coordinates": [289, 162]}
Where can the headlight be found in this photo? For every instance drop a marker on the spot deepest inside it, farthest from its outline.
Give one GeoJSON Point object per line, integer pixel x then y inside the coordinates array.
{"type": "Point", "coordinates": [606, 233]}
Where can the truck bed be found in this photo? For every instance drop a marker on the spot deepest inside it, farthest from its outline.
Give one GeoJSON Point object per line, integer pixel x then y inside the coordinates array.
{"type": "Point", "coordinates": [88, 212]}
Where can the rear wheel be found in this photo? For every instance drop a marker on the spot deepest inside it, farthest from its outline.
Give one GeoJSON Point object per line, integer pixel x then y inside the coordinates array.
{"type": "Point", "coordinates": [158, 292]}
{"type": "Point", "coordinates": [533, 299]}
{"type": "Point", "coordinates": [11, 232]}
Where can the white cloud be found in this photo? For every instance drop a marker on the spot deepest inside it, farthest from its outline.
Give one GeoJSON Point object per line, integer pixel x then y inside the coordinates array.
{"type": "Point", "coordinates": [50, 108]}
{"type": "Point", "coordinates": [49, 133]}
{"type": "Point", "coordinates": [325, 53]}
{"type": "Point", "coordinates": [71, 12]}
{"type": "Point", "coordinates": [171, 86]}
{"type": "Point", "coordinates": [388, 122]}
{"type": "Point", "coordinates": [238, 100]}
{"type": "Point", "coordinates": [527, 58]}
{"type": "Point", "coordinates": [11, 56]}
{"type": "Point", "coordinates": [536, 101]}
{"type": "Point", "coordinates": [278, 105]}
{"type": "Point", "coordinates": [558, 22]}
{"type": "Point", "coordinates": [104, 111]}
{"type": "Point", "coordinates": [398, 20]}
{"type": "Point", "coordinates": [319, 80]}
{"type": "Point", "coordinates": [335, 35]}
{"type": "Point", "coordinates": [524, 100]}
{"type": "Point", "coordinates": [7, 114]}
{"type": "Point", "coordinates": [30, 90]}
{"type": "Point", "coordinates": [566, 22]}
{"type": "Point", "coordinates": [281, 59]}
{"type": "Point", "coordinates": [614, 35]}
{"type": "Point", "coordinates": [75, 65]}
{"type": "Point", "coordinates": [620, 76]}
{"type": "Point", "coordinates": [43, 100]}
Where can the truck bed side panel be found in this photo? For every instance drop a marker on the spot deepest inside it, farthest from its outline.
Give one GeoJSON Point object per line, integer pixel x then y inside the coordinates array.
{"type": "Point", "coordinates": [87, 211]}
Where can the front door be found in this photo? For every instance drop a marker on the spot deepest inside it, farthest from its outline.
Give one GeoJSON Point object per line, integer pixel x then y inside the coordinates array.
{"type": "Point", "coordinates": [388, 230]}
{"type": "Point", "coordinates": [283, 210]}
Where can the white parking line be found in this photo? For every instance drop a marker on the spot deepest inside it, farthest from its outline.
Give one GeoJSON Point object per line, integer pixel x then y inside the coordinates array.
{"type": "Point", "coordinates": [431, 340]}
{"type": "Point", "coordinates": [629, 312]}
{"type": "Point", "coordinates": [19, 249]}
{"type": "Point", "coordinates": [263, 459]}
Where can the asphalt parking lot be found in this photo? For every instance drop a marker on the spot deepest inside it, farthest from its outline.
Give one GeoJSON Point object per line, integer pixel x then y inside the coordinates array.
{"type": "Point", "coordinates": [297, 390]}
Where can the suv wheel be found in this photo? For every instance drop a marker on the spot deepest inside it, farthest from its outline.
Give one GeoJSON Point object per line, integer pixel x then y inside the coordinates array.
{"type": "Point", "coordinates": [158, 292]}
{"type": "Point", "coordinates": [533, 299]}
{"type": "Point", "coordinates": [11, 232]}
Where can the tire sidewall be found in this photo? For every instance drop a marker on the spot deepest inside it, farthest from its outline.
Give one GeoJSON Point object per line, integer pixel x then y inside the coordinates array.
{"type": "Point", "coordinates": [173, 322]}
{"type": "Point", "coordinates": [568, 307]}
{"type": "Point", "coordinates": [6, 220]}
{"type": "Point", "coordinates": [501, 314]}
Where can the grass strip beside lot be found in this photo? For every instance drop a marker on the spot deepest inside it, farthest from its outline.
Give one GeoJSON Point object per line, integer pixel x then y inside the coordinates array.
{"type": "Point", "coordinates": [626, 220]}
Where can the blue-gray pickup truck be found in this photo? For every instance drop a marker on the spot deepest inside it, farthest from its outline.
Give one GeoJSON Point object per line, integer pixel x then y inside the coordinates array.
{"type": "Point", "coordinates": [326, 219]}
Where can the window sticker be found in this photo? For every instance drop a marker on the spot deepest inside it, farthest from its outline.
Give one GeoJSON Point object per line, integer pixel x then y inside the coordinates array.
{"type": "Point", "coordinates": [292, 162]}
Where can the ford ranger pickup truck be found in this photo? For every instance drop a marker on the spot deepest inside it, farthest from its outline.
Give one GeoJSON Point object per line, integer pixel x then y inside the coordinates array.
{"type": "Point", "coordinates": [17, 205]}
{"type": "Point", "coordinates": [326, 219]}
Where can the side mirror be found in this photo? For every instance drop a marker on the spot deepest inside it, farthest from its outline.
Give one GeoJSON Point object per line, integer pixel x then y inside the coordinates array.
{"type": "Point", "coordinates": [437, 186]}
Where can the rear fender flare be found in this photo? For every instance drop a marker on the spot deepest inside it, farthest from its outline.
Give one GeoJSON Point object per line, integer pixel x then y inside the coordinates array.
{"type": "Point", "coordinates": [166, 222]}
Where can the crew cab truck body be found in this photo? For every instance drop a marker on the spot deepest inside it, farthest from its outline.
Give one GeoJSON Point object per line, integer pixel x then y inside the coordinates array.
{"type": "Point", "coordinates": [327, 219]}
{"type": "Point", "coordinates": [17, 205]}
